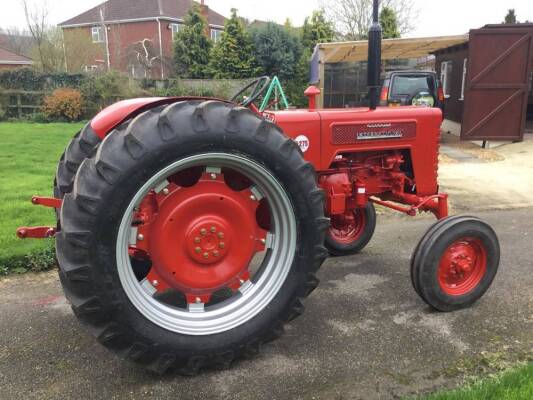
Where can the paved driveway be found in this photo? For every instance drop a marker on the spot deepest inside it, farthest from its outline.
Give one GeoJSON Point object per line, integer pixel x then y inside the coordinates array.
{"type": "Point", "coordinates": [365, 335]}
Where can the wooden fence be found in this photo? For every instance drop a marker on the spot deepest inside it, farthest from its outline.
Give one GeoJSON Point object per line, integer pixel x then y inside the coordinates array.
{"type": "Point", "coordinates": [18, 104]}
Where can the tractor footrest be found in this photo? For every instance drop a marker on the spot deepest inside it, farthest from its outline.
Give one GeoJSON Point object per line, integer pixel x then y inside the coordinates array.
{"type": "Point", "coordinates": [36, 232]}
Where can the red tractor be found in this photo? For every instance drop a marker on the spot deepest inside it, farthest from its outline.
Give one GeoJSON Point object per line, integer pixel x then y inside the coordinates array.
{"type": "Point", "coordinates": [191, 229]}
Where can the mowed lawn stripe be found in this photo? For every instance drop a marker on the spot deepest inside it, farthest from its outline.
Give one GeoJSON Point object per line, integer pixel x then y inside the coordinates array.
{"type": "Point", "coordinates": [28, 158]}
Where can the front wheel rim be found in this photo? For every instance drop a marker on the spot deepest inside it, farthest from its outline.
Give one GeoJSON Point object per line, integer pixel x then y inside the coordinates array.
{"type": "Point", "coordinates": [253, 294]}
{"type": "Point", "coordinates": [462, 266]}
{"type": "Point", "coordinates": [349, 227]}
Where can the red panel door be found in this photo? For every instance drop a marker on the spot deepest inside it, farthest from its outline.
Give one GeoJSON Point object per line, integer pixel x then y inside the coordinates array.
{"type": "Point", "coordinates": [497, 86]}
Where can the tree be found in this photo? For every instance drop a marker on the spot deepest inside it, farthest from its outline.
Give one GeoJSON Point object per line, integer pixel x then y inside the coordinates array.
{"type": "Point", "coordinates": [48, 52]}
{"type": "Point", "coordinates": [17, 40]}
{"type": "Point", "coordinates": [232, 57]}
{"type": "Point", "coordinates": [352, 18]}
{"type": "Point", "coordinates": [277, 51]}
{"type": "Point", "coordinates": [510, 18]}
{"type": "Point", "coordinates": [317, 30]}
{"type": "Point", "coordinates": [192, 47]}
{"type": "Point", "coordinates": [389, 23]}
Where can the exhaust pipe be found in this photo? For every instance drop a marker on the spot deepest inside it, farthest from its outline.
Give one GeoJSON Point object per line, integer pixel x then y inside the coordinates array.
{"type": "Point", "coordinates": [374, 58]}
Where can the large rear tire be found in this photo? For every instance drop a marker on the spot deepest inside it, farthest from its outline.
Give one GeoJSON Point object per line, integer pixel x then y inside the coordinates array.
{"type": "Point", "coordinates": [177, 314]}
{"type": "Point", "coordinates": [83, 145]}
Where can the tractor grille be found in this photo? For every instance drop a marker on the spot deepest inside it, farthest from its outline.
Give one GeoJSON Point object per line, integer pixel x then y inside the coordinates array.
{"type": "Point", "coordinates": [357, 133]}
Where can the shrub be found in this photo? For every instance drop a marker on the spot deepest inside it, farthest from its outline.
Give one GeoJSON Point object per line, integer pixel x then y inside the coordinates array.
{"type": "Point", "coordinates": [63, 104]}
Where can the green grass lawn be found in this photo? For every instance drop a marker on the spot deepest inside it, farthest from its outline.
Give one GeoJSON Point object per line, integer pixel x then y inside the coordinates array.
{"type": "Point", "coordinates": [516, 384]}
{"type": "Point", "coordinates": [28, 157]}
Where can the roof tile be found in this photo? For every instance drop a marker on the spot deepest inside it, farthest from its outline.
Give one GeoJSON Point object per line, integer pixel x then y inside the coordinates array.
{"type": "Point", "coordinates": [116, 10]}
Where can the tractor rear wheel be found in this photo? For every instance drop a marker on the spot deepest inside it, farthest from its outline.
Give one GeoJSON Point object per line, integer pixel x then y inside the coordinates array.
{"type": "Point", "coordinates": [455, 263]}
{"type": "Point", "coordinates": [191, 237]}
{"type": "Point", "coordinates": [82, 146]}
{"type": "Point", "coordinates": [349, 233]}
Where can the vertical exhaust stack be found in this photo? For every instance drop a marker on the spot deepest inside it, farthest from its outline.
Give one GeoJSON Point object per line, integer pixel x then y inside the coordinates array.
{"type": "Point", "coordinates": [374, 58]}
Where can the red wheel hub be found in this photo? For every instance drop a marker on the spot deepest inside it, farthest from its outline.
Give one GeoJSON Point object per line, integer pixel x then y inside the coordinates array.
{"type": "Point", "coordinates": [347, 228]}
{"type": "Point", "coordinates": [462, 266]}
{"type": "Point", "coordinates": [202, 238]}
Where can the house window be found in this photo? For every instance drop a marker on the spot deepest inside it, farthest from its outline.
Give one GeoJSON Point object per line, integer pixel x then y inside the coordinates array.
{"type": "Point", "coordinates": [98, 35]}
{"type": "Point", "coordinates": [465, 63]}
{"type": "Point", "coordinates": [446, 77]}
{"type": "Point", "coordinates": [175, 28]}
{"type": "Point", "coordinates": [216, 35]}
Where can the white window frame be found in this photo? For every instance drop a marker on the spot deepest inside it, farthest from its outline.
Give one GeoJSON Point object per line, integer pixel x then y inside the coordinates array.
{"type": "Point", "coordinates": [444, 67]}
{"type": "Point", "coordinates": [216, 35]}
{"type": "Point", "coordinates": [97, 34]}
{"type": "Point", "coordinates": [175, 28]}
{"type": "Point", "coordinates": [465, 65]}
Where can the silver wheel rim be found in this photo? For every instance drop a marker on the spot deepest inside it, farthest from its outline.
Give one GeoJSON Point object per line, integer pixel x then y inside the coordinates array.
{"type": "Point", "coordinates": [254, 296]}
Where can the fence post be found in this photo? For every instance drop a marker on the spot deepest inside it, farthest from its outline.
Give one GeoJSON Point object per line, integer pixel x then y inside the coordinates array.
{"type": "Point", "coordinates": [19, 105]}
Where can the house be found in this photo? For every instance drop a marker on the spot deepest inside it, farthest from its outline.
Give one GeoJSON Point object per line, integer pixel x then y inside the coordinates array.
{"type": "Point", "coordinates": [9, 60]}
{"type": "Point", "coordinates": [488, 83]}
{"type": "Point", "coordinates": [133, 36]}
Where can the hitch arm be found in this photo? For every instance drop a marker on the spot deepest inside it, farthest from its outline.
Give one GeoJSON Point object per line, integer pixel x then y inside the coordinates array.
{"type": "Point", "coordinates": [40, 232]}
{"type": "Point", "coordinates": [36, 232]}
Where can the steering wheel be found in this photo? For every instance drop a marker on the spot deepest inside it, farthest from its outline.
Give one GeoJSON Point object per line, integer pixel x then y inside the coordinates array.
{"type": "Point", "coordinates": [259, 85]}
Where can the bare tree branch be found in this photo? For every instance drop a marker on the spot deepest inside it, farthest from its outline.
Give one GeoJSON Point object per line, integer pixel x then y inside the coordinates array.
{"type": "Point", "coordinates": [352, 18]}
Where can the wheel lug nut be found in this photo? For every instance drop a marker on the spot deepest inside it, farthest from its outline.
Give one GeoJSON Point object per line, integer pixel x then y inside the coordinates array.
{"type": "Point", "coordinates": [206, 255]}
{"type": "Point", "coordinates": [203, 232]}
{"type": "Point", "coordinates": [198, 250]}
{"type": "Point", "coordinates": [197, 240]}
{"type": "Point", "coordinates": [220, 235]}
{"type": "Point", "coordinates": [216, 253]}
{"type": "Point", "coordinates": [222, 245]}
{"type": "Point", "coordinates": [166, 191]}
{"type": "Point", "coordinates": [140, 237]}
{"type": "Point", "coordinates": [213, 229]}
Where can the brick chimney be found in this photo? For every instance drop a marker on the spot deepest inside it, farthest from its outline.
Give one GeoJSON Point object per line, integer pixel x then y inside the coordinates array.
{"type": "Point", "coordinates": [204, 12]}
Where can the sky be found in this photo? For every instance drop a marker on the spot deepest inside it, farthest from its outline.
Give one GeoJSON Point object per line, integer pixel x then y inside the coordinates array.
{"type": "Point", "coordinates": [436, 18]}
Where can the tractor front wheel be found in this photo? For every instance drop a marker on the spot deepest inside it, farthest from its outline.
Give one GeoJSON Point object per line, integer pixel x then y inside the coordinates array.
{"type": "Point", "coordinates": [349, 233]}
{"type": "Point", "coordinates": [191, 237]}
{"type": "Point", "coordinates": [455, 262]}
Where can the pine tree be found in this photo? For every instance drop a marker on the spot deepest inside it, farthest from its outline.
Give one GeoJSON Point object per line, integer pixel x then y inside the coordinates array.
{"type": "Point", "coordinates": [277, 51]}
{"type": "Point", "coordinates": [317, 30]}
{"type": "Point", "coordinates": [510, 18]}
{"type": "Point", "coordinates": [389, 23]}
{"type": "Point", "coordinates": [192, 47]}
{"type": "Point", "coordinates": [233, 56]}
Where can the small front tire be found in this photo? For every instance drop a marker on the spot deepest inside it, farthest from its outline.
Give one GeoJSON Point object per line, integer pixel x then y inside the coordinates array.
{"type": "Point", "coordinates": [455, 263]}
{"type": "Point", "coordinates": [349, 233]}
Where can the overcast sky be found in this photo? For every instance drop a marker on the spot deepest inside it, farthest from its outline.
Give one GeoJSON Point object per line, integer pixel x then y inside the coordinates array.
{"type": "Point", "coordinates": [436, 18]}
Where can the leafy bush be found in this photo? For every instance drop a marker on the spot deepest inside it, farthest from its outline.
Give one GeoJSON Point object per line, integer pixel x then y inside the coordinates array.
{"type": "Point", "coordinates": [63, 104]}
{"type": "Point", "coordinates": [29, 79]}
{"type": "Point", "coordinates": [3, 106]}
{"type": "Point", "coordinates": [36, 261]}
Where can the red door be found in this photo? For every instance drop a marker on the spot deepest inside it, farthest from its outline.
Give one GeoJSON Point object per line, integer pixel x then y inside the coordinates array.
{"type": "Point", "coordinates": [497, 85]}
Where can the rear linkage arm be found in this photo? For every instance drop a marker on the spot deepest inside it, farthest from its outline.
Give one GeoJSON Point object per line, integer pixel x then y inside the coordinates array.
{"type": "Point", "coordinates": [40, 232]}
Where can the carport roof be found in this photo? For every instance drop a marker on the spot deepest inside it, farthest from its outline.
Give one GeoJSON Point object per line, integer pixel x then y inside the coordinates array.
{"type": "Point", "coordinates": [391, 48]}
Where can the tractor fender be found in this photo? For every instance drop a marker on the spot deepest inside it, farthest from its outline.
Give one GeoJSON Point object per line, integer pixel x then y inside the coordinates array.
{"type": "Point", "coordinates": [109, 118]}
